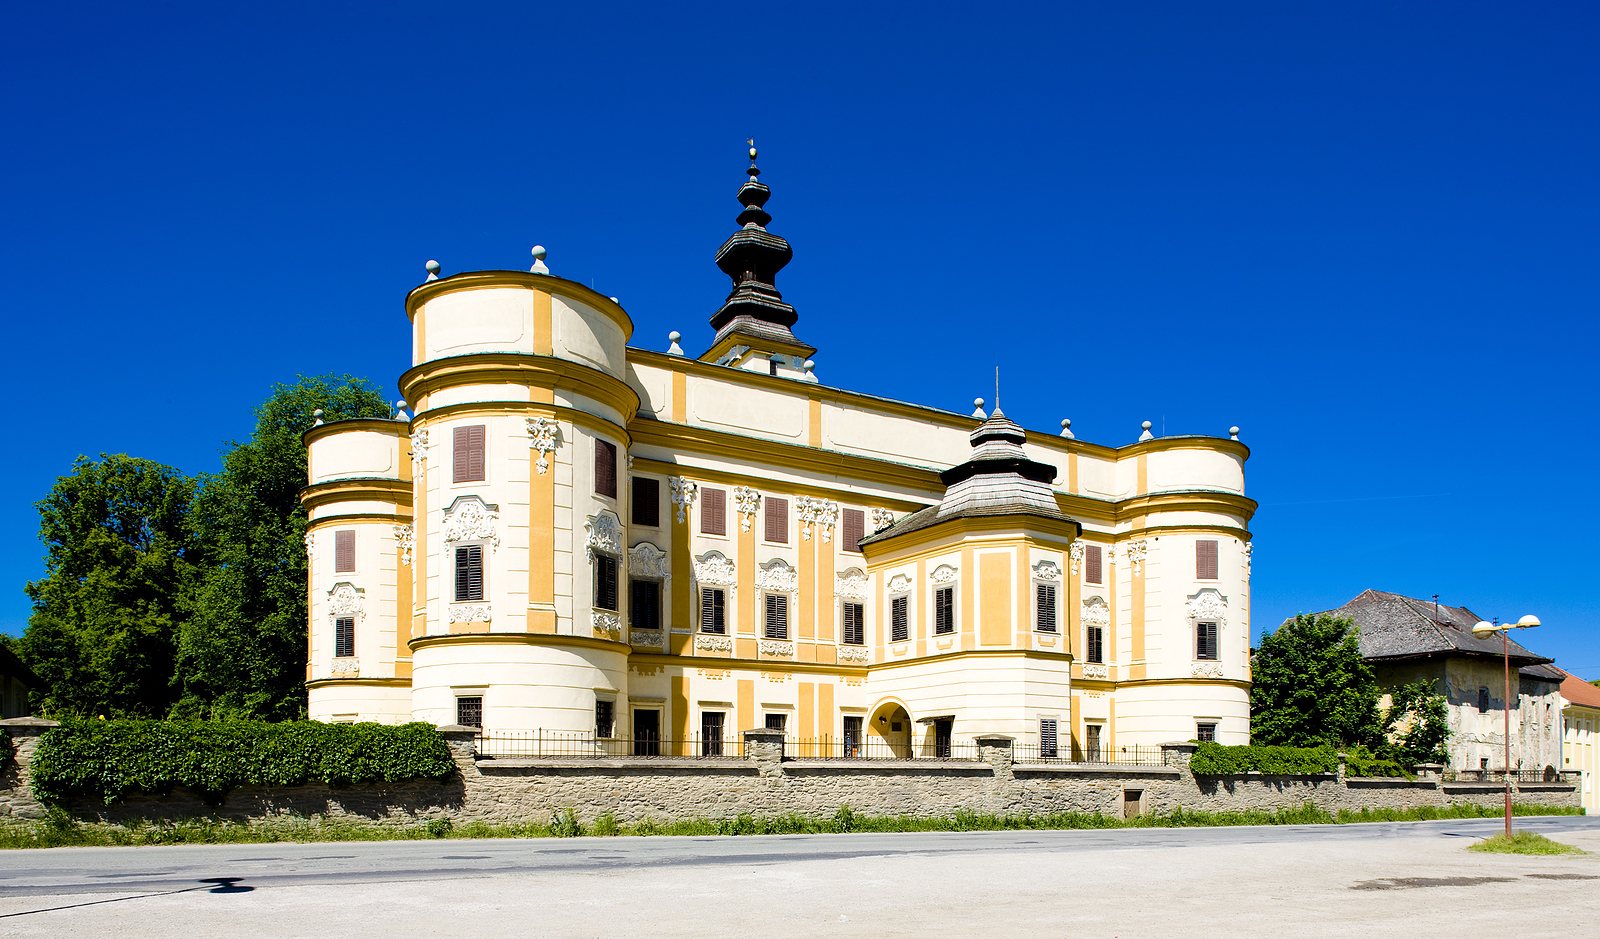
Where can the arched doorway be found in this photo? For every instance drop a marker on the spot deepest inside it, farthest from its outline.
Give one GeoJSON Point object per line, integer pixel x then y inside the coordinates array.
{"type": "Point", "coordinates": [889, 731]}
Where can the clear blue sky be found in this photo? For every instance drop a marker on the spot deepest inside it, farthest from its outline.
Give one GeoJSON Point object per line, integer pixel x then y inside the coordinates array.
{"type": "Point", "coordinates": [1364, 233]}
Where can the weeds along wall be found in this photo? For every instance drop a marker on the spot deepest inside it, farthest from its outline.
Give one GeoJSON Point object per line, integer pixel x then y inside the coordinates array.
{"type": "Point", "coordinates": [763, 783]}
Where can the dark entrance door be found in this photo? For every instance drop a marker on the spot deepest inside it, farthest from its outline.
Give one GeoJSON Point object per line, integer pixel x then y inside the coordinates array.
{"type": "Point", "coordinates": [941, 738]}
{"type": "Point", "coordinates": [646, 733]}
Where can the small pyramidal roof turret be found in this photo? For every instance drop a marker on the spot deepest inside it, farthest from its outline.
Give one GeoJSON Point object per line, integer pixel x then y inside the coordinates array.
{"type": "Point", "coordinates": [754, 314]}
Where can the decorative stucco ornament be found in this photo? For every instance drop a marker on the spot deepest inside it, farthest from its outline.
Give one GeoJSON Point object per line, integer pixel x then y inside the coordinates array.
{"type": "Point", "coordinates": [881, 519]}
{"type": "Point", "coordinates": [1096, 670]}
{"type": "Point", "coordinates": [650, 638]}
{"type": "Point", "coordinates": [471, 520]}
{"type": "Point", "coordinates": [1248, 546]}
{"type": "Point", "coordinates": [1137, 551]}
{"type": "Point", "coordinates": [647, 560]}
{"type": "Point", "coordinates": [776, 575]}
{"type": "Point", "coordinates": [419, 447]}
{"type": "Point", "coordinates": [943, 574]}
{"type": "Point", "coordinates": [683, 495]}
{"type": "Point", "coordinates": [470, 613]}
{"type": "Point", "coordinates": [774, 647]}
{"type": "Point", "coordinates": [310, 543]}
{"type": "Point", "coordinates": [346, 599]}
{"type": "Point", "coordinates": [605, 534]}
{"type": "Point", "coordinates": [899, 583]}
{"type": "Point", "coordinates": [706, 643]}
{"type": "Point", "coordinates": [852, 654]}
{"type": "Point", "coordinates": [850, 584]}
{"type": "Point", "coordinates": [1208, 605]}
{"type": "Point", "coordinates": [1047, 571]}
{"type": "Point", "coordinates": [1206, 670]}
{"type": "Point", "coordinates": [542, 433]}
{"type": "Point", "coordinates": [346, 666]}
{"type": "Point", "coordinates": [1075, 555]}
{"type": "Point", "coordinates": [608, 623]}
{"type": "Point", "coordinates": [829, 519]}
{"type": "Point", "coordinates": [1095, 612]}
{"type": "Point", "coordinates": [405, 539]}
{"type": "Point", "coordinates": [749, 502]}
{"type": "Point", "coordinates": [712, 569]}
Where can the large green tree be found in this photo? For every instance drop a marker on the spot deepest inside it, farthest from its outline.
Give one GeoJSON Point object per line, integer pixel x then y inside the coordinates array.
{"type": "Point", "coordinates": [1311, 687]}
{"type": "Point", "coordinates": [242, 650]}
{"type": "Point", "coordinates": [106, 616]}
{"type": "Point", "coordinates": [1417, 724]}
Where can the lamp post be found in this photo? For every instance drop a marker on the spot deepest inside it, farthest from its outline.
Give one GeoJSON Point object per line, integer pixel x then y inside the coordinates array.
{"type": "Point", "coordinates": [1482, 631]}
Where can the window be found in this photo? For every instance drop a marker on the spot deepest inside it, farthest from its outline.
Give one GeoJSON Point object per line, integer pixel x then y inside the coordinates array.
{"type": "Point", "coordinates": [713, 511]}
{"type": "Point", "coordinates": [777, 616]}
{"type": "Point", "coordinates": [647, 732]}
{"type": "Point", "coordinates": [1205, 641]}
{"type": "Point", "coordinates": [1091, 564]}
{"type": "Point", "coordinates": [1048, 748]}
{"type": "Point", "coordinates": [605, 718]}
{"type": "Point", "coordinates": [1205, 560]}
{"type": "Point", "coordinates": [1044, 618]}
{"type": "Point", "coordinates": [855, 626]}
{"type": "Point", "coordinates": [1094, 644]}
{"type": "Point", "coordinates": [777, 722]}
{"type": "Point", "coordinates": [344, 636]}
{"type": "Point", "coordinates": [711, 724]}
{"type": "Point", "coordinates": [778, 521]}
{"type": "Point", "coordinates": [605, 581]}
{"type": "Point", "coordinates": [467, 463]}
{"type": "Point", "coordinates": [344, 551]}
{"type": "Point", "coordinates": [1483, 700]}
{"type": "Point", "coordinates": [644, 604]}
{"type": "Point", "coordinates": [647, 502]}
{"type": "Point", "coordinates": [899, 621]}
{"type": "Point", "coordinates": [1205, 732]}
{"type": "Point", "coordinates": [605, 468]}
{"type": "Point", "coordinates": [855, 527]}
{"type": "Point", "coordinates": [712, 611]}
{"type": "Point", "coordinates": [852, 736]}
{"type": "Point", "coordinates": [944, 610]}
{"type": "Point", "coordinates": [1092, 742]}
{"type": "Point", "coordinates": [469, 711]}
{"type": "Point", "coordinates": [469, 572]}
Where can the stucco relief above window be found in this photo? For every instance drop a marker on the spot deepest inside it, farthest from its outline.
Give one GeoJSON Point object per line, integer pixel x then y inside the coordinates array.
{"type": "Point", "coordinates": [748, 502]}
{"type": "Point", "coordinates": [346, 599]}
{"type": "Point", "coordinates": [470, 519]}
{"type": "Point", "coordinates": [1208, 605]}
{"type": "Point", "coordinates": [712, 569]}
{"type": "Point", "coordinates": [944, 574]}
{"type": "Point", "coordinates": [1075, 555]}
{"type": "Point", "coordinates": [1096, 612]}
{"type": "Point", "coordinates": [1048, 571]}
{"type": "Point", "coordinates": [647, 560]}
{"type": "Point", "coordinates": [405, 538]}
{"type": "Point", "coordinates": [543, 434]}
{"type": "Point", "coordinates": [777, 575]}
{"type": "Point", "coordinates": [605, 534]}
{"type": "Point", "coordinates": [683, 495]}
{"type": "Point", "coordinates": [850, 584]}
{"type": "Point", "coordinates": [899, 583]}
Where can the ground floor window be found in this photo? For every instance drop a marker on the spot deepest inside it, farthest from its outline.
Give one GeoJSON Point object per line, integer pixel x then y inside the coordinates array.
{"type": "Point", "coordinates": [1206, 732]}
{"type": "Point", "coordinates": [469, 711]}
{"type": "Point", "coordinates": [647, 733]}
{"type": "Point", "coordinates": [852, 736]}
{"type": "Point", "coordinates": [605, 718]}
{"type": "Point", "coordinates": [1049, 747]}
{"type": "Point", "coordinates": [777, 722]}
{"type": "Point", "coordinates": [1091, 742]}
{"type": "Point", "coordinates": [711, 724]}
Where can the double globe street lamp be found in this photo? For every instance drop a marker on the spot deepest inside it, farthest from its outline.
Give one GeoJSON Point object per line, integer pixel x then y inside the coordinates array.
{"type": "Point", "coordinates": [1482, 631]}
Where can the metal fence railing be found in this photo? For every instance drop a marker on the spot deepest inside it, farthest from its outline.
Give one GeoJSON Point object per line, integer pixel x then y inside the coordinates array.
{"type": "Point", "coordinates": [569, 745]}
{"type": "Point", "coordinates": [1109, 756]}
{"type": "Point", "coordinates": [876, 748]}
{"type": "Point", "coordinates": [1548, 774]}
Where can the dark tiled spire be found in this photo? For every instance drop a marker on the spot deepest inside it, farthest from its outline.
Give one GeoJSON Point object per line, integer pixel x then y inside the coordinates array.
{"type": "Point", "coordinates": [752, 258]}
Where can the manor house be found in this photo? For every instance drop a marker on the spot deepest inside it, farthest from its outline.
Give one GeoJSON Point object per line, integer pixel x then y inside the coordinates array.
{"type": "Point", "coordinates": [572, 534]}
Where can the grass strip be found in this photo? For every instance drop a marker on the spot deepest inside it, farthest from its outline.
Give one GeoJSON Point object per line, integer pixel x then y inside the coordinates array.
{"type": "Point", "coordinates": [1524, 842]}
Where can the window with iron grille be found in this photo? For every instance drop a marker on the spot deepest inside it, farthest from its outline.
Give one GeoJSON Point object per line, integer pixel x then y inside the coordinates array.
{"type": "Point", "coordinates": [1044, 607]}
{"type": "Point", "coordinates": [855, 625]}
{"type": "Point", "coordinates": [1048, 748]}
{"type": "Point", "coordinates": [777, 616]}
{"type": "Point", "coordinates": [1092, 733]}
{"type": "Point", "coordinates": [605, 468]}
{"type": "Point", "coordinates": [1205, 732]}
{"type": "Point", "coordinates": [344, 636]}
{"type": "Point", "coordinates": [646, 502]}
{"type": "Point", "coordinates": [852, 736]}
{"type": "Point", "coordinates": [1205, 636]}
{"type": "Point", "coordinates": [469, 572]}
{"type": "Point", "coordinates": [713, 511]}
{"type": "Point", "coordinates": [467, 464]}
{"type": "Point", "coordinates": [944, 610]}
{"type": "Point", "coordinates": [469, 711]}
{"type": "Point", "coordinates": [854, 525]}
{"type": "Point", "coordinates": [711, 724]}
{"type": "Point", "coordinates": [605, 581]}
{"type": "Point", "coordinates": [1091, 564]}
{"type": "Point", "coordinates": [777, 520]}
{"type": "Point", "coordinates": [899, 619]}
{"type": "Point", "coordinates": [777, 721]}
{"type": "Point", "coordinates": [344, 551]}
{"type": "Point", "coordinates": [644, 604]}
{"type": "Point", "coordinates": [713, 618]}
{"type": "Point", "coordinates": [1094, 644]}
{"type": "Point", "coordinates": [605, 718]}
{"type": "Point", "coordinates": [1205, 560]}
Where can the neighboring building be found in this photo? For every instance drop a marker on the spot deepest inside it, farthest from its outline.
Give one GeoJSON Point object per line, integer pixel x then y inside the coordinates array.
{"type": "Point", "coordinates": [572, 534]}
{"type": "Point", "coordinates": [1407, 640]}
{"type": "Point", "coordinates": [1580, 748]}
{"type": "Point", "coordinates": [16, 682]}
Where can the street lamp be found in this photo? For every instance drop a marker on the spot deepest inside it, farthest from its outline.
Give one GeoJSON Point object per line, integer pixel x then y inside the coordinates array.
{"type": "Point", "coordinates": [1482, 631]}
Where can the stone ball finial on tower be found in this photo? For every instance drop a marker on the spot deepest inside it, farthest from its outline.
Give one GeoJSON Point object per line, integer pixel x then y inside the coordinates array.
{"type": "Point", "coordinates": [673, 338]}
{"type": "Point", "coordinates": [316, 418]}
{"type": "Point", "coordinates": [400, 410]}
{"type": "Point", "coordinates": [1146, 435]}
{"type": "Point", "coordinates": [1233, 432]}
{"type": "Point", "coordinates": [538, 261]}
{"type": "Point", "coordinates": [977, 409]}
{"type": "Point", "coordinates": [432, 267]}
{"type": "Point", "coordinates": [811, 370]}
{"type": "Point", "coordinates": [1066, 428]}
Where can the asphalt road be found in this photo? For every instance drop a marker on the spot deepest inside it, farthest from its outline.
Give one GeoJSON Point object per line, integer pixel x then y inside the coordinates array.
{"type": "Point", "coordinates": [1302, 880]}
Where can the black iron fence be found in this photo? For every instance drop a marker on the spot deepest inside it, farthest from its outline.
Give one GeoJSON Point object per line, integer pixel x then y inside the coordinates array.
{"type": "Point", "coordinates": [1548, 774]}
{"type": "Point", "coordinates": [556, 744]}
{"type": "Point", "coordinates": [1109, 756]}
{"type": "Point", "coordinates": [876, 748]}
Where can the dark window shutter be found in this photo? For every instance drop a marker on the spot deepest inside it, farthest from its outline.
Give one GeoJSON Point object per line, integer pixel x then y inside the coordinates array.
{"type": "Point", "coordinates": [1091, 564]}
{"type": "Point", "coordinates": [644, 606]}
{"type": "Point", "coordinates": [646, 501]}
{"type": "Point", "coordinates": [605, 576]}
{"type": "Point", "coordinates": [855, 524]}
{"type": "Point", "coordinates": [1046, 621]}
{"type": "Point", "coordinates": [469, 572]}
{"type": "Point", "coordinates": [777, 616]}
{"type": "Point", "coordinates": [605, 468]}
{"type": "Point", "coordinates": [778, 521]}
{"type": "Point", "coordinates": [900, 625]}
{"type": "Point", "coordinates": [712, 615]}
{"type": "Point", "coordinates": [1205, 560]}
{"type": "Point", "coordinates": [344, 551]}
{"type": "Point", "coordinates": [1094, 644]}
{"type": "Point", "coordinates": [467, 456]}
{"type": "Point", "coordinates": [713, 511]}
{"type": "Point", "coordinates": [1048, 743]}
{"type": "Point", "coordinates": [1205, 640]}
{"type": "Point", "coordinates": [944, 610]}
{"type": "Point", "coordinates": [854, 625]}
{"type": "Point", "coordinates": [344, 636]}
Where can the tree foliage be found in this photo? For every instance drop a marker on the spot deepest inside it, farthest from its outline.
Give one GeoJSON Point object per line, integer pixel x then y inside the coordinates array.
{"type": "Point", "coordinates": [1417, 724]}
{"type": "Point", "coordinates": [1312, 688]}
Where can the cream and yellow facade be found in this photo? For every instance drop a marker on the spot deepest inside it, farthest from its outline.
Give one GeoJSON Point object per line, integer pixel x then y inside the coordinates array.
{"type": "Point", "coordinates": [570, 530]}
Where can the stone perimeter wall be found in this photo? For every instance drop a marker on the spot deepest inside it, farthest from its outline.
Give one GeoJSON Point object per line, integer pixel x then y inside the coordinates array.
{"type": "Point", "coordinates": [765, 783]}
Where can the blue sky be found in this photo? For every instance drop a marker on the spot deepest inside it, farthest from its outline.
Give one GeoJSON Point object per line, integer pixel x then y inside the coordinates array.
{"type": "Point", "coordinates": [1363, 233]}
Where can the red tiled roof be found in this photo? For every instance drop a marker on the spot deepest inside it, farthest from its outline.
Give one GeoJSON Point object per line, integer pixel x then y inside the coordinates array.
{"type": "Point", "coordinates": [1580, 692]}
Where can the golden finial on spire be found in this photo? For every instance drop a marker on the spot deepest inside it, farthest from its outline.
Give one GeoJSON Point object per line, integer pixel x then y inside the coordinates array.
{"type": "Point", "coordinates": [752, 142]}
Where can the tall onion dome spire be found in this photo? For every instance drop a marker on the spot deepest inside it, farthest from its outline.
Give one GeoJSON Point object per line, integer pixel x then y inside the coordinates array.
{"type": "Point", "coordinates": [754, 314]}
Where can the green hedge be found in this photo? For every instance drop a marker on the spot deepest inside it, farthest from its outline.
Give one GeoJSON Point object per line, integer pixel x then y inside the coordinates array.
{"type": "Point", "coordinates": [111, 760]}
{"type": "Point", "coordinates": [1214, 759]}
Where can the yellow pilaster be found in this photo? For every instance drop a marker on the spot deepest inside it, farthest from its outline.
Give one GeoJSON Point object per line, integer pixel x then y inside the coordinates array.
{"type": "Point", "coordinates": [541, 537]}
{"type": "Point", "coordinates": [685, 606]}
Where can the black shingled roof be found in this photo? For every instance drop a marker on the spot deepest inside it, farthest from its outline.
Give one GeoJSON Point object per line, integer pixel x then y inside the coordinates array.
{"type": "Point", "coordinates": [1397, 627]}
{"type": "Point", "coordinates": [928, 517]}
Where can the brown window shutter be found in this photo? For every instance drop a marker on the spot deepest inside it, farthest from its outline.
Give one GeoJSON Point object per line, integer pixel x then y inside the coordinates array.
{"type": "Point", "coordinates": [467, 454]}
{"type": "Point", "coordinates": [344, 637]}
{"type": "Point", "coordinates": [646, 501]}
{"type": "Point", "coordinates": [713, 511]}
{"type": "Point", "coordinates": [855, 524]}
{"type": "Point", "coordinates": [1205, 560]}
{"type": "Point", "coordinates": [1046, 601]}
{"type": "Point", "coordinates": [344, 551]}
{"type": "Point", "coordinates": [605, 586]}
{"type": "Point", "coordinates": [605, 468]}
{"type": "Point", "coordinates": [778, 521]}
{"type": "Point", "coordinates": [777, 616]}
{"type": "Point", "coordinates": [1091, 564]}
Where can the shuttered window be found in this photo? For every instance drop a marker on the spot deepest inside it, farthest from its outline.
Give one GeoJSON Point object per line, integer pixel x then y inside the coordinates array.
{"type": "Point", "coordinates": [1205, 560]}
{"type": "Point", "coordinates": [855, 626]}
{"type": "Point", "coordinates": [1049, 748]}
{"type": "Point", "coordinates": [1045, 603]}
{"type": "Point", "coordinates": [1205, 635]}
{"type": "Point", "coordinates": [713, 618]}
{"type": "Point", "coordinates": [647, 502]}
{"type": "Point", "coordinates": [899, 619]}
{"type": "Point", "coordinates": [777, 616]}
{"type": "Point", "coordinates": [644, 604]}
{"type": "Point", "coordinates": [467, 456]}
{"type": "Point", "coordinates": [605, 581]}
{"type": "Point", "coordinates": [469, 711]}
{"type": "Point", "coordinates": [605, 468]}
{"type": "Point", "coordinates": [777, 721]}
{"type": "Point", "coordinates": [469, 572]}
{"type": "Point", "coordinates": [1094, 644]}
{"type": "Point", "coordinates": [855, 526]}
{"type": "Point", "coordinates": [778, 521]}
{"type": "Point", "coordinates": [605, 718]}
{"type": "Point", "coordinates": [713, 511]}
{"type": "Point", "coordinates": [344, 636]}
{"type": "Point", "coordinates": [944, 610]}
{"type": "Point", "coordinates": [344, 551]}
{"type": "Point", "coordinates": [1091, 564]}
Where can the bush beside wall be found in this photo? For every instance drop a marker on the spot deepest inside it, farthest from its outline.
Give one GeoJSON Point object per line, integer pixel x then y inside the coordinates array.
{"type": "Point", "coordinates": [1214, 759]}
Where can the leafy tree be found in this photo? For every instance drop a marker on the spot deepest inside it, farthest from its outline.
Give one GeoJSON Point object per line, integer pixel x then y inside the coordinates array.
{"type": "Point", "coordinates": [119, 558]}
{"type": "Point", "coordinates": [242, 650]}
{"type": "Point", "coordinates": [1312, 688]}
{"type": "Point", "coordinates": [1417, 724]}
